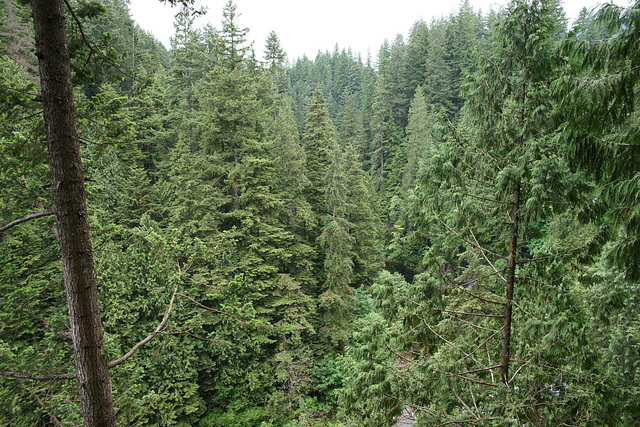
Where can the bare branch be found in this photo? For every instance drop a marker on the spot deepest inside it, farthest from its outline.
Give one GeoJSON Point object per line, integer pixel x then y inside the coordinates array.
{"type": "Point", "coordinates": [473, 398]}
{"type": "Point", "coordinates": [202, 305]}
{"type": "Point", "coordinates": [52, 417]}
{"type": "Point", "coordinates": [484, 255]}
{"type": "Point", "coordinates": [149, 337]}
{"type": "Point", "coordinates": [523, 310]}
{"type": "Point", "coordinates": [516, 373]}
{"type": "Point", "coordinates": [497, 316]}
{"type": "Point", "coordinates": [470, 242]}
{"type": "Point", "coordinates": [465, 405]}
{"type": "Point", "coordinates": [452, 344]}
{"type": "Point", "coordinates": [26, 218]}
{"type": "Point", "coordinates": [451, 374]}
{"type": "Point", "coordinates": [465, 421]}
{"type": "Point", "coordinates": [485, 341]}
{"type": "Point", "coordinates": [488, 368]}
{"type": "Point", "coordinates": [23, 376]}
{"type": "Point", "coordinates": [446, 276]}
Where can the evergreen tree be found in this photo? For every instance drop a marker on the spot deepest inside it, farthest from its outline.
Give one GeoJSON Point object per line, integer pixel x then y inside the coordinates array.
{"type": "Point", "coordinates": [318, 143]}
{"type": "Point", "coordinates": [417, 51]}
{"type": "Point", "coordinates": [586, 27]}
{"type": "Point", "coordinates": [16, 37]}
{"type": "Point", "coordinates": [419, 146]}
{"type": "Point", "coordinates": [439, 90]}
{"type": "Point", "coordinates": [337, 243]}
{"type": "Point", "coordinates": [502, 172]}
{"type": "Point", "coordinates": [598, 96]}
{"type": "Point", "coordinates": [187, 60]}
{"type": "Point", "coordinates": [365, 227]}
{"type": "Point", "coordinates": [464, 34]}
{"type": "Point", "coordinates": [275, 57]}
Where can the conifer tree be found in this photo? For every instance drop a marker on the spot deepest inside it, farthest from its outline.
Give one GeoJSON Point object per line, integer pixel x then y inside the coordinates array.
{"type": "Point", "coordinates": [419, 146]}
{"type": "Point", "coordinates": [438, 88]}
{"type": "Point", "coordinates": [337, 244]}
{"type": "Point", "coordinates": [257, 169]}
{"type": "Point", "coordinates": [502, 171]}
{"type": "Point", "coordinates": [318, 143]}
{"type": "Point", "coordinates": [464, 35]}
{"type": "Point", "coordinates": [365, 227]}
{"type": "Point", "coordinates": [187, 60]}
{"type": "Point", "coordinates": [275, 57]}
{"type": "Point", "coordinates": [598, 96]}
{"type": "Point", "coordinates": [485, 188]}
{"type": "Point", "coordinates": [417, 51]}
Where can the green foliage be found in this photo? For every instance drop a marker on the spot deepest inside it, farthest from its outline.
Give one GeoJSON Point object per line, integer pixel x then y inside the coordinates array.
{"type": "Point", "coordinates": [263, 198]}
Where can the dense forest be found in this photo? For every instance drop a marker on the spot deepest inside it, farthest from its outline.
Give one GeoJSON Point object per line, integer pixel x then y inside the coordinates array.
{"type": "Point", "coordinates": [448, 232]}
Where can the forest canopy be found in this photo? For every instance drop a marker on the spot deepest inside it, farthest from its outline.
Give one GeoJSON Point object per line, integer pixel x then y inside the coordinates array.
{"type": "Point", "coordinates": [446, 233]}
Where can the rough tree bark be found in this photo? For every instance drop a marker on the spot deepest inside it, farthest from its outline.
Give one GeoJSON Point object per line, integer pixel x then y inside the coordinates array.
{"type": "Point", "coordinates": [94, 383]}
{"type": "Point", "coordinates": [505, 351]}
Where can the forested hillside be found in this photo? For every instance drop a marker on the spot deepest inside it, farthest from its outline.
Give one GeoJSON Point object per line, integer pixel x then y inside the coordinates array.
{"type": "Point", "coordinates": [447, 232]}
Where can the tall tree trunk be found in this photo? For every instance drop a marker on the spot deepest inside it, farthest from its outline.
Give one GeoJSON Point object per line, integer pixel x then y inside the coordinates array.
{"type": "Point", "coordinates": [94, 383]}
{"type": "Point", "coordinates": [505, 355]}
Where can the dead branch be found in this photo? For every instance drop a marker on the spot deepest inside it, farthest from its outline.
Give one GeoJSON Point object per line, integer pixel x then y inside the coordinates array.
{"type": "Point", "coordinates": [45, 377]}
{"type": "Point", "coordinates": [463, 422]}
{"type": "Point", "coordinates": [450, 280]}
{"type": "Point", "coordinates": [203, 306]}
{"type": "Point", "coordinates": [497, 316]}
{"type": "Point", "coordinates": [473, 398]}
{"type": "Point", "coordinates": [452, 374]}
{"type": "Point", "coordinates": [149, 337]}
{"type": "Point", "coordinates": [516, 373]}
{"type": "Point", "coordinates": [465, 405]}
{"type": "Point", "coordinates": [488, 368]}
{"type": "Point", "coordinates": [111, 364]}
{"type": "Point", "coordinates": [470, 242]}
{"type": "Point", "coordinates": [485, 341]}
{"type": "Point", "coordinates": [452, 344]}
{"type": "Point", "coordinates": [26, 218]}
{"type": "Point", "coordinates": [52, 417]}
{"type": "Point", "coordinates": [484, 255]}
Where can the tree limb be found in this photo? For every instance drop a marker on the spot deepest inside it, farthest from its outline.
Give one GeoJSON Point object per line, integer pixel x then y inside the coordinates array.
{"type": "Point", "coordinates": [497, 316]}
{"type": "Point", "coordinates": [26, 218]}
{"type": "Point", "coordinates": [479, 370]}
{"type": "Point", "coordinates": [452, 374]}
{"type": "Point", "coordinates": [462, 288]}
{"type": "Point", "coordinates": [111, 364]}
{"type": "Point", "coordinates": [52, 417]}
{"type": "Point", "coordinates": [452, 345]}
{"type": "Point", "coordinates": [484, 342]}
{"type": "Point", "coordinates": [160, 326]}
{"type": "Point", "coordinates": [482, 251]}
{"type": "Point", "coordinates": [470, 242]}
{"type": "Point", "coordinates": [203, 306]}
{"type": "Point", "coordinates": [45, 377]}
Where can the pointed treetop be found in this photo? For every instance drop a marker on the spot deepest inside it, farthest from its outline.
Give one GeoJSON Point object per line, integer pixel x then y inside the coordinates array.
{"type": "Point", "coordinates": [274, 54]}
{"type": "Point", "coordinates": [234, 37]}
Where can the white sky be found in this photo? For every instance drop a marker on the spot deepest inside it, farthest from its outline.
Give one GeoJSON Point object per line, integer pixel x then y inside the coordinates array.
{"type": "Point", "coordinates": [305, 27]}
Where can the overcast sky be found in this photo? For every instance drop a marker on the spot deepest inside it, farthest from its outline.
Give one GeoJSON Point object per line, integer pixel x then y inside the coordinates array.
{"type": "Point", "coordinates": [305, 27]}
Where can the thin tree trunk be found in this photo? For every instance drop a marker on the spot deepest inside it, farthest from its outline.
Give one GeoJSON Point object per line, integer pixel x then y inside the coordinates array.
{"type": "Point", "coordinates": [94, 383]}
{"type": "Point", "coordinates": [505, 355]}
